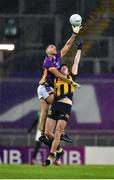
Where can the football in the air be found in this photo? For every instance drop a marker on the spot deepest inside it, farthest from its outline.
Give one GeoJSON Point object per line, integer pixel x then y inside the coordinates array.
{"type": "Point", "coordinates": [75, 20]}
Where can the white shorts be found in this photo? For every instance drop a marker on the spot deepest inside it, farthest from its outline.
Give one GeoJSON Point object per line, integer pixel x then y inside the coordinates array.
{"type": "Point", "coordinates": [44, 91]}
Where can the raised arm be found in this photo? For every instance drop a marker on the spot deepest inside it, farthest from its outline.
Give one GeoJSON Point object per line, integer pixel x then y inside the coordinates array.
{"type": "Point", "coordinates": [76, 62]}
{"type": "Point", "coordinates": [77, 58]}
{"type": "Point", "coordinates": [69, 43]}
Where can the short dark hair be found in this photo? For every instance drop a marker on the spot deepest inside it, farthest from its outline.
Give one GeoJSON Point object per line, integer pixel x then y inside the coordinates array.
{"type": "Point", "coordinates": [49, 45]}
{"type": "Point", "coordinates": [63, 65]}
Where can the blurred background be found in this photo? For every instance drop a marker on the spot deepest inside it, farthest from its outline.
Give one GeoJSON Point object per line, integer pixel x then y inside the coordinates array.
{"type": "Point", "coordinates": [30, 26]}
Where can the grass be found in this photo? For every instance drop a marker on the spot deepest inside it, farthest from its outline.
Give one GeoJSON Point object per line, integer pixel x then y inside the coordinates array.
{"type": "Point", "coordinates": [53, 172]}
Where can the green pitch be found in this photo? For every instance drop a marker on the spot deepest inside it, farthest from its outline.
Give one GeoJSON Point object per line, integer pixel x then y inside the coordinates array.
{"type": "Point", "coordinates": [55, 172]}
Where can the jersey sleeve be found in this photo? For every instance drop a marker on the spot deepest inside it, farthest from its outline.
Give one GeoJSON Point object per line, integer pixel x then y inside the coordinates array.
{"type": "Point", "coordinates": [49, 64]}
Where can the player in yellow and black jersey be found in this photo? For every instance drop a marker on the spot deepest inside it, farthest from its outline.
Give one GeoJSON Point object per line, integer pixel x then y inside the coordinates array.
{"type": "Point", "coordinates": [60, 110]}
{"type": "Point", "coordinates": [61, 106]}
{"type": "Point", "coordinates": [62, 88]}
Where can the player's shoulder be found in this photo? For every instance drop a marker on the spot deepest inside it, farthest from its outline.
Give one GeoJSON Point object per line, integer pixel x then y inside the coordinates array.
{"type": "Point", "coordinates": [47, 61]}
{"type": "Point", "coordinates": [73, 76]}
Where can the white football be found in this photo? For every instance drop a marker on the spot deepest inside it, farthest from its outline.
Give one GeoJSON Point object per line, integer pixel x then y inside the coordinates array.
{"type": "Point", "coordinates": [75, 20]}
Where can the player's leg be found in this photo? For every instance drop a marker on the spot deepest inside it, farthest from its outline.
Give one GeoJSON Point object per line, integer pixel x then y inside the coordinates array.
{"type": "Point", "coordinates": [36, 149]}
{"type": "Point", "coordinates": [50, 99]}
{"type": "Point", "coordinates": [44, 106]}
{"type": "Point", "coordinates": [58, 131]}
{"type": "Point", "coordinates": [56, 144]}
{"type": "Point", "coordinates": [45, 103]}
{"type": "Point", "coordinates": [49, 129]}
{"type": "Point", "coordinates": [46, 96]}
{"type": "Point", "coordinates": [59, 112]}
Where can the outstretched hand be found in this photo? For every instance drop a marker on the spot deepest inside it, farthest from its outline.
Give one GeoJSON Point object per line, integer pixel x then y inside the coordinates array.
{"type": "Point", "coordinates": [76, 29]}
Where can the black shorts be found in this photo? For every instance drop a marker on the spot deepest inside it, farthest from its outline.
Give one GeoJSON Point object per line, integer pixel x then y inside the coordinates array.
{"type": "Point", "coordinates": [59, 111]}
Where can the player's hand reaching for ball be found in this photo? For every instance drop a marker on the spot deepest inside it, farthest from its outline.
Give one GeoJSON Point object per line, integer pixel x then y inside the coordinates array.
{"type": "Point", "coordinates": [76, 29]}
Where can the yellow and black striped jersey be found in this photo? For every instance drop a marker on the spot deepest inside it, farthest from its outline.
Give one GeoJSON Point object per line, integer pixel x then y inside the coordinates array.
{"type": "Point", "coordinates": [63, 89]}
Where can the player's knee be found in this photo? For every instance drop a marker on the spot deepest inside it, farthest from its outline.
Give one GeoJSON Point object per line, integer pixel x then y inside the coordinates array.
{"type": "Point", "coordinates": [57, 134]}
{"type": "Point", "coordinates": [48, 132]}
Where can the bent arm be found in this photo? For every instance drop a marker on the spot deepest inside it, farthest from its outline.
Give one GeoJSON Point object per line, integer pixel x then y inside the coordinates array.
{"type": "Point", "coordinates": [76, 62]}
{"type": "Point", "coordinates": [68, 45]}
{"type": "Point", "coordinates": [60, 75]}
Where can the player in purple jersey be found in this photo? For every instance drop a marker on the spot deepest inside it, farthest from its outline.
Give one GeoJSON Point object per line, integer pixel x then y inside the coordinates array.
{"type": "Point", "coordinates": [51, 69]}
{"type": "Point", "coordinates": [48, 65]}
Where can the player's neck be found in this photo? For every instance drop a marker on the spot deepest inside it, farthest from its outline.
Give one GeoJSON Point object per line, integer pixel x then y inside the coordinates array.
{"type": "Point", "coordinates": [51, 56]}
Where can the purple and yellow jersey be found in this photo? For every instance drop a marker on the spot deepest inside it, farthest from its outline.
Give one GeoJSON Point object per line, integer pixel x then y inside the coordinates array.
{"type": "Point", "coordinates": [47, 66]}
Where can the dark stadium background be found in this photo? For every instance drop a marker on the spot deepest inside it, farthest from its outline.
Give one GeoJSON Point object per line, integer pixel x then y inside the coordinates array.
{"type": "Point", "coordinates": [31, 26]}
